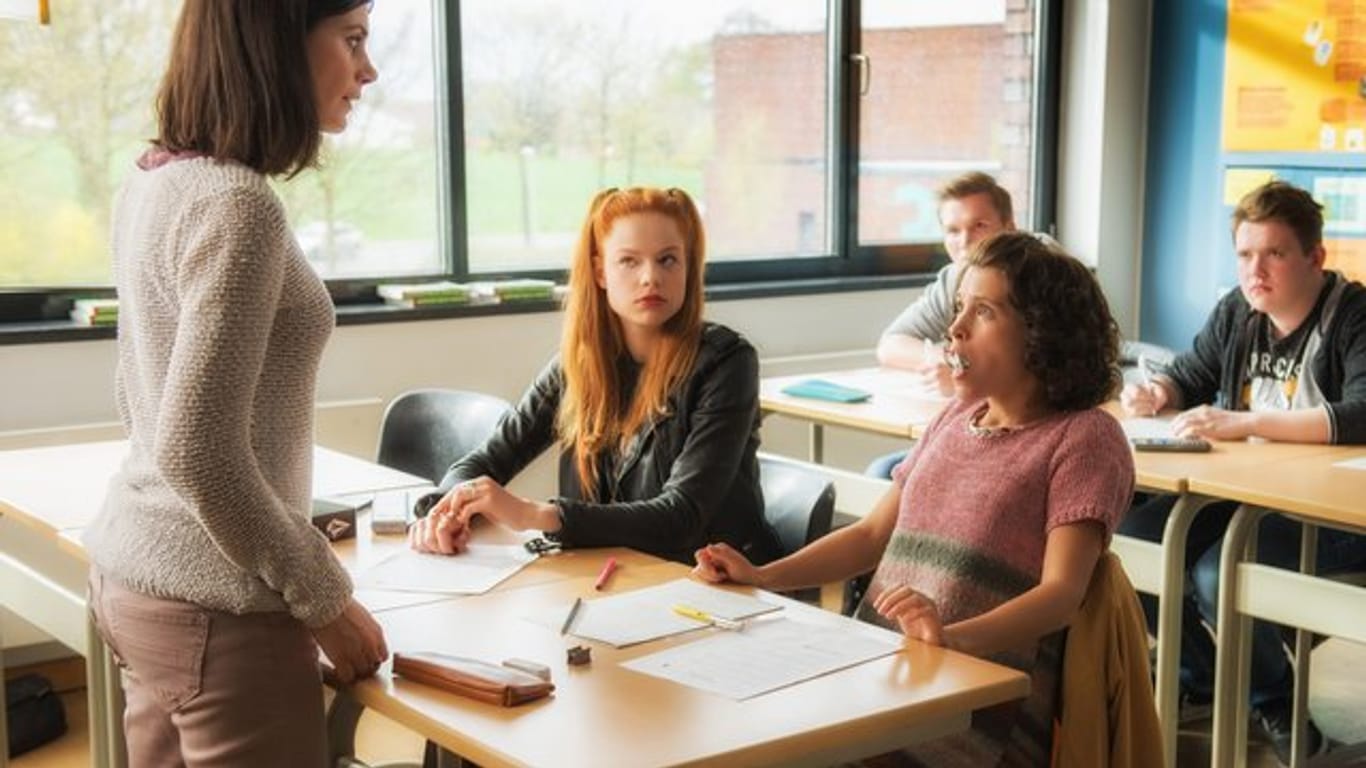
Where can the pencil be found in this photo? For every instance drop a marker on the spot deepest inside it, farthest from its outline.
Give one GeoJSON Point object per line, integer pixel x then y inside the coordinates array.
{"type": "Point", "coordinates": [573, 614]}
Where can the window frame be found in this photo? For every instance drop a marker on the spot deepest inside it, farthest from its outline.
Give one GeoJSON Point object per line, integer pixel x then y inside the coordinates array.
{"type": "Point", "coordinates": [29, 314]}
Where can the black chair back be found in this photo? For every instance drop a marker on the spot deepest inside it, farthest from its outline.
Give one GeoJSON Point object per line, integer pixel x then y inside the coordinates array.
{"type": "Point", "coordinates": [426, 430]}
{"type": "Point", "coordinates": [799, 501]}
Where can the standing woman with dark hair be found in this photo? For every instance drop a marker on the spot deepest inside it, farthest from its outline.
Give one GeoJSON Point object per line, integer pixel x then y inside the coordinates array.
{"type": "Point", "coordinates": [208, 582]}
{"type": "Point", "coordinates": [655, 410]}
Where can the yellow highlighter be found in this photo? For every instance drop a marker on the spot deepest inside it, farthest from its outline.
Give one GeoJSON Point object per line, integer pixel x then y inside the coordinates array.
{"type": "Point", "coordinates": [707, 618]}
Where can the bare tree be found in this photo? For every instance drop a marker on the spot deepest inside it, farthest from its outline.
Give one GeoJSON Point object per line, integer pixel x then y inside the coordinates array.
{"type": "Point", "coordinates": [89, 80]}
{"type": "Point", "coordinates": [86, 84]}
{"type": "Point", "coordinates": [516, 86]}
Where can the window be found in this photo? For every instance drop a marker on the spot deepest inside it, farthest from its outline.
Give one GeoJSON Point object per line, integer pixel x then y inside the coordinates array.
{"type": "Point", "coordinates": [76, 110]}
{"type": "Point", "coordinates": [949, 90]}
{"type": "Point", "coordinates": [725, 99]}
{"type": "Point", "coordinates": [812, 133]}
{"type": "Point", "coordinates": [73, 108]}
{"type": "Point", "coordinates": [372, 209]}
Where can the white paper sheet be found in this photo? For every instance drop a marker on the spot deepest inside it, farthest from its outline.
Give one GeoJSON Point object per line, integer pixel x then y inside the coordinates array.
{"type": "Point", "coordinates": [647, 614]}
{"type": "Point", "coordinates": [1147, 427]}
{"type": "Point", "coordinates": [767, 655]}
{"type": "Point", "coordinates": [1357, 463]}
{"type": "Point", "coordinates": [472, 572]}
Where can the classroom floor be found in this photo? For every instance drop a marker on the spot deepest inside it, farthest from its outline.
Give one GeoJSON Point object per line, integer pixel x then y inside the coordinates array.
{"type": "Point", "coordinates": [1337, 699]}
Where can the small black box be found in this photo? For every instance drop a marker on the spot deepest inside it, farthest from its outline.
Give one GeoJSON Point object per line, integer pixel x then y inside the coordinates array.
{"type": "Point", "coordinates": [336, 519]}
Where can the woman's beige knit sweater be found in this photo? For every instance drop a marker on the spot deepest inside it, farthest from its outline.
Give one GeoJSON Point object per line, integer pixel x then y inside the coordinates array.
{"type": "Point", "coordinates": [221, 326]}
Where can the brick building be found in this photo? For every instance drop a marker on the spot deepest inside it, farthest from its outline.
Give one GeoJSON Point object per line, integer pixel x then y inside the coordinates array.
{"type": "Point", "coordinates": [942, 100]}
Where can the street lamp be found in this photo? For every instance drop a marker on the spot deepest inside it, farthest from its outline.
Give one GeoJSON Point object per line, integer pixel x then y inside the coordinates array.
{"type": "Point", "coordinates": [524, 169]}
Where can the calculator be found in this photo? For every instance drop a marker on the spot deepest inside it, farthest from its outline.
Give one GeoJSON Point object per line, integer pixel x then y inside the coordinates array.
{"type": "Point", "coordinates": [1171, 444]}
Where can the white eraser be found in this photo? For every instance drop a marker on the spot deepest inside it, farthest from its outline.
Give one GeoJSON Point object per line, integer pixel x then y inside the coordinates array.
{"type": "Point", "coordinates": [529, 667]}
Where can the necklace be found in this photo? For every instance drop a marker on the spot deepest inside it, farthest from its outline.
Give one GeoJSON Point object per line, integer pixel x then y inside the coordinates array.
{"type": "Point", "coordinates": [977, 430]}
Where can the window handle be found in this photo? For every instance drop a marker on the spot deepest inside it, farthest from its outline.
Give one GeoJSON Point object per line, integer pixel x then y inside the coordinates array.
{"type": "Point", "coordinates": [865, 71]}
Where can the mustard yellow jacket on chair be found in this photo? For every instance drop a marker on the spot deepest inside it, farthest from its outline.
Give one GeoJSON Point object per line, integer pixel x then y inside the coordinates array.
{"type": "Point", "coordinates": [1108, 715]}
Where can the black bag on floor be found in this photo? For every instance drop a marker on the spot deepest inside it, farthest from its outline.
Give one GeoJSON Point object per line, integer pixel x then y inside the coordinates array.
{"type": "Point", "coordinates": [35, 713]}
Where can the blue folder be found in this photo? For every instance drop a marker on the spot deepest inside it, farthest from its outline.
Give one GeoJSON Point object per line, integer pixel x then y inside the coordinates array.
{"type": "Point", "coordinates": [819, 389]}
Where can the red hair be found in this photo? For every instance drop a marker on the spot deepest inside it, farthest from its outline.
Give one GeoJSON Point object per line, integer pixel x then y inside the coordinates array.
{"type": "Point", "coordinates": [592, 417]}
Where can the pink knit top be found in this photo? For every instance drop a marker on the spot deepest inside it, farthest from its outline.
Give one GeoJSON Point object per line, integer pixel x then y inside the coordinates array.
{"type": "Point", "coordinates": [973, 522]}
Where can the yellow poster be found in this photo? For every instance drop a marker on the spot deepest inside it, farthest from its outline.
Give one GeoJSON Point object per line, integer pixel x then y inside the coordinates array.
{"type": "Point", "coordinates": [1295, 76]}
{"type": "Point", "coordinates": [1240, 181]}
{"type": "Point", "coordinates": [1347, 257]}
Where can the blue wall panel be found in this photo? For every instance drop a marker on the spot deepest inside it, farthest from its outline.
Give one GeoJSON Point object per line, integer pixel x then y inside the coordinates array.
{"type": "Point", "coordinates": [1188, 257]}
{"type": "Point", "coordinates": [1184, 228]}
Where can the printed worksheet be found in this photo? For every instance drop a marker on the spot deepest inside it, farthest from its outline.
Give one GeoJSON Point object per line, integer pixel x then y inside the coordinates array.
{"type": "Point", "coordinates": [472, 572]}
{"type": "Point", "coordinates": [647, 614]}
{"type": "Point", "coordinates": [767, 655]}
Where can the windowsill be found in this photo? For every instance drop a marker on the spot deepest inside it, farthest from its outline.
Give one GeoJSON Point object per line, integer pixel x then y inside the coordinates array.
{"type": "Point", "coordinates": [363, 314]}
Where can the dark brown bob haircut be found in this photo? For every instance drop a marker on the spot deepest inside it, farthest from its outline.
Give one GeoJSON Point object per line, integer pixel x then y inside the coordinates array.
{"type": "Point", "coordinates": [1279, 201]}
{"type": "Point", "coordinates": [238, 86]}
{"type": "Point", "coordinates": [1071, 340]}
{"type": "Point", "coordinates": [978, 183]}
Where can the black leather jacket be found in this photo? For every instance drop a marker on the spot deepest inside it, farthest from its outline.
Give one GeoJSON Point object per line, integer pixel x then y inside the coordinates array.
{"type": "Point", "coordinates": [690, 478]}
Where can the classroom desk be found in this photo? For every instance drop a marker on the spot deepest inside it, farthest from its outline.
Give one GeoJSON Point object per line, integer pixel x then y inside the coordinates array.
{"type": "Point", "coordinates": [1159, 568]}
{"type": "Point", "coordinates": [605, 715]}
{"type": "Point", "coordinates": [899, 406]}
{"type": "Point", "coordinates": [46, 496]}
{"type": "Point", "coordinates": [1310, 489]}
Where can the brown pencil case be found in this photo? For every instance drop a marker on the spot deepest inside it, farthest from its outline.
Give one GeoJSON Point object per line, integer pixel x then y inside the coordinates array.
{"type": "Point", "coordinates": [471, 677]}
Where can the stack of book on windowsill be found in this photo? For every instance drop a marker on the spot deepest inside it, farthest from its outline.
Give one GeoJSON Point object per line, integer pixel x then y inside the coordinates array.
{"type": "Point", "coordinates": [524, 289]}
{"type": "Point", "coordinates": [95, 312]}
{"type": "Point", "coordinates": [436, 294]}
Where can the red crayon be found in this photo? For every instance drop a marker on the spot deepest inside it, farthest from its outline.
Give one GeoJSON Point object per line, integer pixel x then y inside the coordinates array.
{"type": "Point", "coordinates": [605, 573]}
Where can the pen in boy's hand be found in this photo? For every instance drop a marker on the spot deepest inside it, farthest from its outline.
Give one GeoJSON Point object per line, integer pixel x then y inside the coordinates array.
{"type": "Point", "coordinates": [1148, 383]}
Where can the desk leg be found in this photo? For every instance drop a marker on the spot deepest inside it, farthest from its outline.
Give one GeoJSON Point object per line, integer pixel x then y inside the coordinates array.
{"type": "Point", "coordinates": [816, 443]}
{"type": "Point", "coordinates": [1169, 602]}
{"type": "Point", "coordinates": [1304, 641]}
{"type": "Point", "coordinates": [104, 703]}
{"type": "Point", "coordinates": [4, 713]}
{"type": "Point", "coordinates": [113, 710]}
{"type": "Point", "coordinates": [342, 717]}
{"type": "Point", "coordinates": [437, 756]}
{"type": "Point", "coordinates": [1234, 648]}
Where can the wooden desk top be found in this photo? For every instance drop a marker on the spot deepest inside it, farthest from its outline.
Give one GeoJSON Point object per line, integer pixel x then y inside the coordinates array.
{"type": "Point", "coordinates": [1309, 486]}
{"type": "Point", "coordinates": [58, 490]}
{"type": "Point", "coordinates": [60, 487]}
{"type": "Point", "coordinates": [1173, 472]}
{"type": "Point", "coordinates": [1170, 472]}
{"type": "Point", "coordinates": [899, 406]}
{"type": "Point", "coordinates": [605, 715]}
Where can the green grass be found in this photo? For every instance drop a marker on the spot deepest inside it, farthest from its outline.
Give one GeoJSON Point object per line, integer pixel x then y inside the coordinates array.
{"type": "Point", "coordinates": [561, 188]}
{"type": "Point", "coordinates": [47, 237]}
